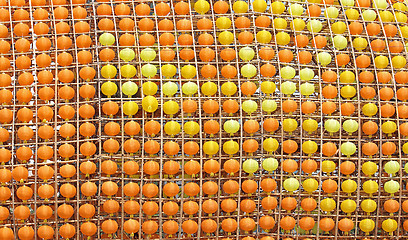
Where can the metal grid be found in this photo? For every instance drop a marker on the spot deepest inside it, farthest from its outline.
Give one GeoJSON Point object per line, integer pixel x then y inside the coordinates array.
{"type": "Point", "coordinates": [100, 120]}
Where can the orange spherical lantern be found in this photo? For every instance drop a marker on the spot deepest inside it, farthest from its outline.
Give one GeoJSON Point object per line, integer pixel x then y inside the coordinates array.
{"type": "Point", "coordinates": [326, 224]}
{"type": "Point", "coordinates": [45, 232]}
{"type": "Point", "coordinates": [109, 226]}
{"type": "Point", "coordinates": [149, 227]}
{"type": "Point", "coordinates": [65, 211]}
{"type": "Point", "coordinates": [190, 227]}
{"type": "Point", "coordinates": [87, 210]}
{"type": "Point", "coordinates": [26, 233]}
{"type": "Point", "coordinates": [170, 208]}
{"type": "Point", "coordinates": [308, 204]}
{"type": "Point", "coordinates": [88, 228]}
{"type": "Point", "coordinates": [109, 188]}
{"type": "Point", "coordinates": [247, 224]}
{"type": "Point", "coordinates": [269, 203]}
{"type": "Point", "coordinates": [306, 223]}
{"type": "Point", "coordinates": [67, 231]}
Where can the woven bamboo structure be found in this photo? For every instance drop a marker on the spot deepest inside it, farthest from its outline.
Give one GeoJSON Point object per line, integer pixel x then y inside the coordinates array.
{"type": "Point", "coordinates": [51, 142]}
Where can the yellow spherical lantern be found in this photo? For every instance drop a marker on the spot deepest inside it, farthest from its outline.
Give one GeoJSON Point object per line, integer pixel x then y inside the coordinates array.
{"type": "Point", "coordinates": [398, 62]}
{"type": "Point", "coordinates": [289, 125]}
{"type": "Point", "coordinates": [339, 27]}
{"type": "Point", "coordinates": [291, 184]}
{"type": "Point", "coordinates": [171, 107]}
{"type": "Point", "coordinates": [348, 91]}
{"type": "Point", "coordinates": [288, 87]}
{"type": "Point", "coordinates": [128, 71]}
{"type": "Point", "coordinates": [109, 88]}
{"type": "Point", "coordinates": [226, 37]}
{"type": "Point", "coordinates": [109, 71]}
{"type": "Point", "coordinates": [282, 38]}
{"type": "Point", "coordinates": [149, 88]}
{"type": "Point", "coordinates": [401, 17]}
{"type": "Point", "coordinates": [168, 70]}
{"type": "Point", "coordinates": [210, 148]}
{"type": "Point", "coordinates": [149, 70]}
{"type": "Point", "coordinates": [189, 88]}
{"type": "Point", "coordinates": [310, 185]}
{"type": "Point", "coordinates": [188, 71]}
{"type": "Point", "coordinates": [369, 168]}
{"type": "Point", "coordinates": [230, 147]}
{"type": "Point", "coordinates": [331, 12]}
{"type": "Point", "coordinates": [250, 166]}
{"type": "Point", "coordinates": [367, 225]}
{"type": "Point", "coordinates": [249, 106]}
{"type": "Point", "coordinates": [297, 24]}
{"type": "Point", "coordinates": [389, 225]}
{"type": "Point", "coordinates": [307, 89]}
{"type": "Point", "coordinates": [288, 73]}
{"type": "Point", "coordinates": [202, 6]}
{"type": "Point", "coordinates": [368, 206]}
{"type": "Point", "coordinates": [277, 7]}
{"type": "Point", "coordinates": [328, 166]}
{"type": "Point", "coordinates": [172, 128]}
{"type": "Point", "coordinates": [348, 206]}
{"type": "Point", "coordinates": [349, 186]}
{"type": "Point", "coordinates": [130, 108]}
{"type": "Point", "coordinates": [240, 7]}
{"type": "Point", "coordinates": [347, 77]}
{"type": "Point", "coordinates": [229, 88]}
{"type": "Point", "coordinates": [150, 104]}
{"type": "Point", "coordinates": [147, 54]}
{"type": "Point", "coordinates": [370, 187]}
{"type": "Point", "coordinates": [360, 43]}
{"type": "Point", "coordinates": [264, 37]}
{"type": "Point", "coordinates": [259, 5]}
{"type": "Point", "coordinates": [309, 147]}
{"type": "Point", "coordinates": [405, 148]}
{"type": "Point", "coordinates": [169, 89]}
{"type": "Point", "coordinates": [231, 126]}
{"type": "Point", "coordinates": [350, 126]}
{"type": "Point", "coordinates": [327, 205]}
{"type": "Point", "coordinates": [295, 9]}
{"type": "Point", "coordinates": [270, 145]}
{"type": "Point", "coordinates": [223, 23]}
{"type": "Point", "coordinates": [129, 88]}
{"type": "Point", "coordinates": [268, 87]}
{"type": "Point", "coordinates": [332, 126]}
{"type": "Point", "coordinates": [191, 128]}
{"type": "Point", "coordinates": [348, 148]}
{"type": "Point", "coordinates": [369, 15]}
{"type": "Point", "coordinates": [310, 125]}
{"type": "Point", "coordinates": [392, 167]}
{"type": "Point", "coordinates": [269, 106]}
{"type": "Point", "coordinates": [391, 187]}
{"type": "Point", "coordinates": [381, 62]}
{"type": "Point", "coordinates": [386, 16]}
{"type": "Point", "coordinates": [352, 14]}
{"type": "Point", "coordinates": [324, 58]}
{"type": "Point", "coordinates": [314, 26]}
{"type": "Point", "coordinates": [270, 164]}
{"type": "Point", "coordinates": [209, 88]}
{"type": "Point", "coordinates": [280, 23]}
{"type": "Point", "coordinates": [369, 109]}
{"type": "Point", "coordinates": [389, 127]}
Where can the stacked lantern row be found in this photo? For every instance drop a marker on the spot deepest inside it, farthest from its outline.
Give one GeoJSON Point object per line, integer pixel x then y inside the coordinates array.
{"type": "Point", "coordinates": [267, 194]}
{"type": "Point", "coordinates": [236, 64]}
{"type": "Point", "coordinates": [243, 99]}
{"type": "Point", "coordinates": [40, 67]}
